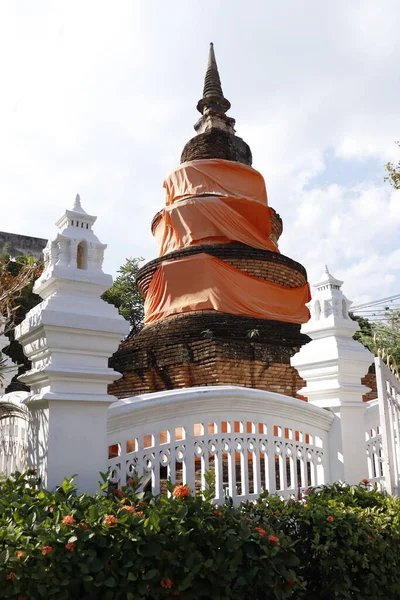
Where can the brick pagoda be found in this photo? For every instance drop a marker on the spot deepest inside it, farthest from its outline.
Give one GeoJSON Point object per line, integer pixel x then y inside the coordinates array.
{"type": "Point", "coordinates": [202, 338]}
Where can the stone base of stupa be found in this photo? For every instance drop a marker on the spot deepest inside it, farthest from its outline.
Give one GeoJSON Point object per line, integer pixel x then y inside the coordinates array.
{"type": "Point", "coordinates": [209, 348]}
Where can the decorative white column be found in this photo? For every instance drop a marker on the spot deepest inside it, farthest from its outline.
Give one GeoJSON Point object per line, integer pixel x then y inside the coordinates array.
{"type": "Point", "coordinates": [69, 338]}
{"type": "Point", "coordinates": [332, 365]}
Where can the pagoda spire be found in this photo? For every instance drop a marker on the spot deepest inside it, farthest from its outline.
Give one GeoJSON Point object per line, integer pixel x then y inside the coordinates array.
{"type": "Point", "coordinates": [215, 130]}
{"type": "Point", "coordinates": [77, 203]}
{"type": "Point", "coordinates": [213, 96]}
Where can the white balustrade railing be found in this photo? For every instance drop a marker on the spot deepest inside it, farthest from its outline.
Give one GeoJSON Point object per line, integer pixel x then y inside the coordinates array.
{"type": "Point", "coordinates": [374, 444]}
{"type": "Point", "coordinates": [13, 433]}
{"type": "Point", "coordinates": [389, 418]}
{"type": "Point", "coordinates": [249, 439]}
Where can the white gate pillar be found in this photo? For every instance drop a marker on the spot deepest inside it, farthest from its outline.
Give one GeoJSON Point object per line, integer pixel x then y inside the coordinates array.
{"type": "Point", "coordinates": [69, 338]}
{"type": "Point", "coordinates": [332, 365]}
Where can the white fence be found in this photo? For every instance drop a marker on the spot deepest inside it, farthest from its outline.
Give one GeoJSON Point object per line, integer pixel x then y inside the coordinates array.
{"type": "Point", "coordinates": [251, 440]}
{"type": "Point", "coordinates": [389, 417]}
{"type": "Point", "coordinates": [13, 433]}
{"type": "Point", "coordinates": [374, 444]}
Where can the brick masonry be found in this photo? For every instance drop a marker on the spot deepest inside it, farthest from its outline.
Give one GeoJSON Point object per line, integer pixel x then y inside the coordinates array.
{"type": "Point", "coordinates": [209, 348]}
{"type": "Point", "coordinates": [370, 381]}
{"type": "Point", "coordinates": [276, 226]}
{"type": "Point", "coordinates": [264, 264]}
{"type": "Point", "coordinates": [217, 143]}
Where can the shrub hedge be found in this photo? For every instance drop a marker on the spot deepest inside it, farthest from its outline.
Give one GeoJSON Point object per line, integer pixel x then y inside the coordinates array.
{"type": "Point", "coordinates": [338, 542]}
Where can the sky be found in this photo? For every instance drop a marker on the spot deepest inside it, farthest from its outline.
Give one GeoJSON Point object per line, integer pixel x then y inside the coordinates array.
{"type": "Point", "coordinates": [99, 98]}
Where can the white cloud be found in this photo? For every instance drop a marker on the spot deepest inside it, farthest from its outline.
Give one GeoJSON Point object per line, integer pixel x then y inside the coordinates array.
{"type": "Point", "coordinates": [100, 99]}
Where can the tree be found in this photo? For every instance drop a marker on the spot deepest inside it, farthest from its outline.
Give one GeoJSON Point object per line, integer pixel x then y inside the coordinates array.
{"type": "Point", "coordinates": [382, 335]}
{"type": "Point", "coordinates": [393, 176]}
{"type": "Point", "coordinates": [17, 276]}
{"type": "Point", "coordinates": [125, 296]}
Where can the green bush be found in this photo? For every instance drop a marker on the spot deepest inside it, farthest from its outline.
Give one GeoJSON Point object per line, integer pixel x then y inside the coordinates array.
{"type": "Point", "coordinates": [128, 546]}
{"type": "Point", "coordinates": [340, 542]}
{"type": "Point", "coordinates": [348, 540]}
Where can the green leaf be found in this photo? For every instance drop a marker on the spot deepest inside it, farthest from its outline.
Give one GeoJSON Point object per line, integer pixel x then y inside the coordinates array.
{"type": "Point", "coordinates": [4, 556]}
{"type": "Point", "coordinates": [150, 574]}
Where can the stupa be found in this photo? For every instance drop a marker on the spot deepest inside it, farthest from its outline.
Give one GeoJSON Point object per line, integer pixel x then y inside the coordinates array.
{"type": "Point", "coordinates": [222, 305]}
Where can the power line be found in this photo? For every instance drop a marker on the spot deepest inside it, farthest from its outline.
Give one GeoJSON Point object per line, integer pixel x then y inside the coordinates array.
{"type": "Point", "coordinates": [376, 302]}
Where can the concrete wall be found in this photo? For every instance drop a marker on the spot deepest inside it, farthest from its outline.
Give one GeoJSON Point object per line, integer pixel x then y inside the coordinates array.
{"type": "Point", "coordinates": [22, 244]}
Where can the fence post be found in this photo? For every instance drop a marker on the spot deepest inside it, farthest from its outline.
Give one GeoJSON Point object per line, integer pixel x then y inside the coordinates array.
{"type": "Point", "coordinates": [332, 365]}
{"type": "Point", "coordinates": [69, 338]}
{"type": "Point", "coordinates": [389, 422]}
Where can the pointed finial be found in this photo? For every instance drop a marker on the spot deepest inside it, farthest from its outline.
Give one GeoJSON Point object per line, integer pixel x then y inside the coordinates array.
{"type": "Point", "coordinates": [213, 96]}
{"type": "Point", "coordinates": [328, 279]}
{"type": "Point", "coordinates": [77, 203]}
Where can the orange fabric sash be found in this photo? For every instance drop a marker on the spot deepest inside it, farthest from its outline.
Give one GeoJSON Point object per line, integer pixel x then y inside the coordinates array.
{"type": "Point", "coordinates": [203, 282]}
{"type": "Point", "coordinates": [215, 176]}
{"type": "Point", "coordinates": [213, 219]}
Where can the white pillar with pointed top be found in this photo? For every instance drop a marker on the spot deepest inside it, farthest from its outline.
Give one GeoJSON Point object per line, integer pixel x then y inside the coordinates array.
{"type": "Point", "coordinates": [333, 364]}
{"type": "Point", "coordinates": [69, 338]}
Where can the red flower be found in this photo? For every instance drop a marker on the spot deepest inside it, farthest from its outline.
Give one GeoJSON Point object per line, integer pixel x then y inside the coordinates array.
{"type": "Point", "coordinates": [139, 514]}
{"type": "Point", "coordinates": [70, 547]}
{"type": "Point", "coordinates": [68, 520]}
{"type": "Point", "coordinates": [276, 513]}
{"type": "Point", "coordinates": [217, 513]}
{"type": "Point", "coordinates": [20, 554]}
{"type": "Point", "coordinates": [129, 509]}
{"type": "Point", "coordinates": [365, 480]}
{"type": "Point", "coordinates": [181, 491]}
{"type": "Point", "coordinates": [10, 576]}
{"type": "Point", "coordinates": [247, 519]}
{"type": "Point", "coordinates": [330, 519]}
{"type": "Point", "coordinates": [47, 550]}
{"type": "Point", "coordinates": [261, 531]}
{"type": "Point", "coordinates": [290, 581]}
{"type": "Point", "coordinates": [273, 539]}
{"type": "Point", "coordinates": [84, 525]}
{"type": "Point", "coordinates": [119, 493]}
{"type": "Point", "coordinates": [22, 598]}
{"type": "Point", "coordinates": [166, 583]}
{"type": "Point", "coordinates": [110, 520]}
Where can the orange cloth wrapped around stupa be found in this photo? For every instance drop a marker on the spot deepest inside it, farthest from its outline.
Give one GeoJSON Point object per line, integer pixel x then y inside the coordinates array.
{"type": "Point", "coordinates": [202, 282]}
{"type": "Point", "coordinates": [213, 219]}
{"type": "Point", "coordinates": [215, 176]}
{"type": "Point", "coordinates": [217, 201]}
{"type": "Point", "coordinates": [214, 201]}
